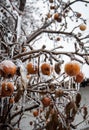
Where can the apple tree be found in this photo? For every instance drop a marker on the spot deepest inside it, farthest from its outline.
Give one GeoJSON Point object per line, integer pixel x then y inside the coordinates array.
{"type": "Point", "coordinates": [43, 48]}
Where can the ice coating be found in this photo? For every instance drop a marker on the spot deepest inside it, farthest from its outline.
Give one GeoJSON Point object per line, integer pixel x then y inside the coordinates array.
{"type": "Point", "coordinates": [23, 76]}
{"type": "Point", "coordinates": [6, 63]}
{"type": "Point", "coordinates": [8, 67]}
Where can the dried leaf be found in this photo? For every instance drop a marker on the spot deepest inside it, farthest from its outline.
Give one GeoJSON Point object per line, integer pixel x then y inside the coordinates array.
{"type": "Point", "coordinates": [78, 99]}
{"type": "Point", "coordinates": [57, 68]}
{"type": "Point", "coordinates": [59, 93]}
{"type": "Point", "coordinates": [85, 112]}
{"type": "Point", "coordinates": [70, 111]}
{"type": "Point", "coordinates": [18, 95]}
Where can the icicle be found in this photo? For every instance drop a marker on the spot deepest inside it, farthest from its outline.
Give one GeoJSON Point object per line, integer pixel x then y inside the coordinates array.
{"type": "Point", "coordinates": [19, 26]}
{"type": "Point", "coordinates": [2, 102]}
{"type": "Point", "coordinates": [8, 100]}
{"type": "Point", "coordinates": [24, 100]}
{"type": "Point", "coordinates": [1, 16]}
{"type": "Point", "coordinates": [19, 18]}
{"type": "Point", "coordinates": [78, 87]}
{"type": "Point", "coordinates": [69, 87]}
{"type": "Point", "coordinates": [72, 83]}
{"type": "Point", "coordinates": [6, 88]}
{"type": "Point", "coordinates": [23, 74]}
{"type": "Point", "coordinates": [0, 89]}
{"type": "Point", "coordinates": [12, 51]}
{"type": "Point", "coordinates": [23, 81]}
{"type": "Point", "coordinates": [75, 86]}
{"type": "Point", "coordinates": [23, 77]}
{"type": "Point", "coordinates": [34, 65]}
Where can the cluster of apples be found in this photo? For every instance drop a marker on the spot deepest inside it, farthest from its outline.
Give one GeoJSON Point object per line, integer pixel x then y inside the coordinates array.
{"type": "Point", "coordinates": [73, 69]}
{"type": "Point", "coordinates": [58, 17]}
{"type": "Point", "coordinates": [7, 69]}
{"type": "Point", "coordinates": [45, 68]}
{"type": "Point", "coordinates": [46, 101]}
